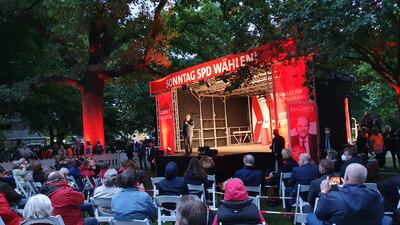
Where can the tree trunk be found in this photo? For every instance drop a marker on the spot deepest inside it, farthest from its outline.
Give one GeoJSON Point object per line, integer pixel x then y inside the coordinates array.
{"type": "Point", "coordinates": [51, 134]}
{"type": "Point", "coordinates": [92, 109]}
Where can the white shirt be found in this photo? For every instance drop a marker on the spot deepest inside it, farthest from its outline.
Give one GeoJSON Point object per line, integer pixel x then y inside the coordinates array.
{"type": "Point", "coordinates": [105, 192]}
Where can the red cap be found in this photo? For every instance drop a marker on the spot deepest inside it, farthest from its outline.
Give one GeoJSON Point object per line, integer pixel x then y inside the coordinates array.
{"type": "Point", "coordinates": [235, 191]}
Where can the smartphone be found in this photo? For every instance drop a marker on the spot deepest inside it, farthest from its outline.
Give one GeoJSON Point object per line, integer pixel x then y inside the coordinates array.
{"type": "Point", "coordinates": [335, 180]}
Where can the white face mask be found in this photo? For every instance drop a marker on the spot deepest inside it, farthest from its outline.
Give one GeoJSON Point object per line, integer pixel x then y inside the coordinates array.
{"type": "Point", "coordinates": [344, 158]}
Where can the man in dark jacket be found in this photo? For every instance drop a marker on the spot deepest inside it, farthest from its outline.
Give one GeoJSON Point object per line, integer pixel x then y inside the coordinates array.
{"type": "Point", "coordinates": [249, 174]}
{"type": "Point", "coordinates": [349, 156]}
{"type": "Point", "coordinates": [10, 194]}
{"type": "Point", "coordinates": [278, 143]}
{"type": "Point", "coordinates": [303, 175]}
{"type": "Point", "coordinates": [65, 200]}
{"type": "Point", "coordinates": [389, 190]}
{"type": "Point", "coordinates": [172, 184]}
{"type": "Point", "coordinates": [354, 203]}
{"type": "Point", "coordinates": [142, 155]}
{"type": "Point", "coordinates": [326, 169]}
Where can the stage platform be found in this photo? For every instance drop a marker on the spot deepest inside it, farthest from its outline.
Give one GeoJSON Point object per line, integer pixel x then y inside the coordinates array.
{"type": "Point", "coordinates": [228, 160]}
{"type": "Point", "coordinates": [232, 149]}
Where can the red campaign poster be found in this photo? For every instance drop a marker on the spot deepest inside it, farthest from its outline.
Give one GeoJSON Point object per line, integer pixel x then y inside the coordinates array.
{"type": "Point", "coordinates": [166, 121]}
{"type": "Point", "coordinates": [303, 129]}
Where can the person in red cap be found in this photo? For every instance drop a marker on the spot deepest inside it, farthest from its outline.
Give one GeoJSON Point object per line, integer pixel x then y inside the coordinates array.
{"type": "Point", "coordinates": [237, 207]}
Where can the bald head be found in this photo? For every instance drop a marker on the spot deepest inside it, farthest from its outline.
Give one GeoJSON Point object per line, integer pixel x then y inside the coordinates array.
{"type": "Point", "coordinates": [55, 176]}
{"type": "Point", "coordinates": [303, 126]}
{"type": "Point", "coordinates": [355, 174]}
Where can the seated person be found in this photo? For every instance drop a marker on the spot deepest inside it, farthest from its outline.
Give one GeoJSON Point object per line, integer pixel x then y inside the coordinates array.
{"type": "Point", "coordinates": [288, 164]}
{"type": "Point", "coordinates": [208, 164]}
{"type": "Point", "coordinates": [172, 184]}
{"type": "Point", "coordinates": [37, 210]}
{"type": "Point", "coordinates": [38, 174]}
{"type": "Point", "coordinates": [333, 156]}
{"type": "Point", "coordinates": [8, 215]}
{"type": "Point", "coordinates": [303, 175]}
{"type": "Point", "coordinates": [354, 203]}
{"type": "Point", "coordinates": [19, 170]}
{"type": "Point", "coordinates": [249, 174]}
{"type": "Point", "coordinates": [191, 210]}
{"type": "Point", "coordinates": [237, 207]}
{"type": "Point", "coordinates": [349, 156]}
{"type": "Point", "coordinates": [65, 200]}
{"type": "Point", "coordinates": [9, 193]}
{"type": "Point", "coordinates": [195, 174]}
{"type": "Point", "coordinates": [326, 169]}
{"type": "Point", "coordinates": [132, 202]}
{"type": "Point", "coordinates": [389, 190]}
{"type": "Point", "coordinates": [106, 191]}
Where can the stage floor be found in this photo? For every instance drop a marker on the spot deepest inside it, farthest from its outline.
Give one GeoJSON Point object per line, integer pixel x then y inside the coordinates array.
{"type": "Point", "coordinates": [234, 149]}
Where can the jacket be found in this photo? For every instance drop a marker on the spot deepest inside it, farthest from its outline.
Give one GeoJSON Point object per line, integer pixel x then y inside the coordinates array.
{"type": "Point", "coordinates": [66, 202]}
{"type": "Point", "coordinates": [7, 214]}
{"type": "Point", "coordinates": [131, 204]}
{"type": "Point", "coordinates": [250, 176]}
{"type": "Point", "coordinates": [304, 174]}
{"type": "Point", "coordinates": [315, 188]}
{"type": "Point", "coordinates": [10, 194]}
{"type": "Point", "coordinates": [236, 206]}
{"type": "Point", "coordinates": [172, 185]}
{"type": "Point", "coordinates": [191, 178]}
{"type": "Point", "coordinates": [353, 204]}
{"type": "Point", "coordinates": [388, 189]}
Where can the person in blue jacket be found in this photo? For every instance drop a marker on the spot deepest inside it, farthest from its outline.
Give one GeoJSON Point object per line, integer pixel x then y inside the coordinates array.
{"type": "Point", "coordinates": [354, 203]}
{"type": "Point", "coordinates": [249, 174]}
{"type": "Point", "coordinates": [172, 184]}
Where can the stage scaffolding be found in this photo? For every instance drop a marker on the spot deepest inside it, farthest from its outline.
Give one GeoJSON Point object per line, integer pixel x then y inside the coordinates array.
{"type": "Point", "coordinates": [215, 131]}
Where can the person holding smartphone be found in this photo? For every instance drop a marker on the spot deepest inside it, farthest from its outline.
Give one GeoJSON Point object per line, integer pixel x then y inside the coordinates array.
{"type": "Point", "coordinates": [353, 203]}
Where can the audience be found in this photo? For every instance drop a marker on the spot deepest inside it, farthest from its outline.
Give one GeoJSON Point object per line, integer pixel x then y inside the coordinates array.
{"type": "Point", "coordinates": [349, 156]}
{"type": "Point", "coordinates": [172, 184]}
{"type": "Point", "coordinates": [195, 174]}
{"type": "Point", "coordinates": [13, 198]}
{"type": "Point", "coordinates": [208, 164]}
{"type": "Point", "coordinates": [303, 174]}
{"type": "Point", "coordinates": [108, 188]}
{"type": "Point", "coordinates": [389, 190]}
{"type": "Point", "coordinates": [8, 216]}
{"type": "Point", "coordinates": [326, 169]}
{"type": "Point", "coordinates": [237, 207]}
{"type": "Point", "coordinates": [131, 202]}
{"type": "Point", "coordinates": [65, 200]}
{"type": "Point", "coordinates": [37, 210]}
{"type": "Point", "coordinates": [38, 174]}
{"type": "Point", "coordinates": [354, 203]}
{"type": "Point", "coordinates": [191, 210]}
{"type": "Point", "coordinates": [249, 174]}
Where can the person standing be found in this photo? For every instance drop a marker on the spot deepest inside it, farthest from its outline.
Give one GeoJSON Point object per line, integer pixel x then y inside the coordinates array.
{"type": "Point", "coordinates": [278, 143]}
{"type": "Point", "coordinates": [377, 146]}
{"type": "Point", "coordinates": [142, 155]}
{"type": "Point", "coordinates": [327, 142]}
{"type": "Point", "coordinates": [188, 126]}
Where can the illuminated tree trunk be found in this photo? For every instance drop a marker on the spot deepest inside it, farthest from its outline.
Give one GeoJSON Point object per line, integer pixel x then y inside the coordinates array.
{"type": "Point", "coordinates": [92, 110]}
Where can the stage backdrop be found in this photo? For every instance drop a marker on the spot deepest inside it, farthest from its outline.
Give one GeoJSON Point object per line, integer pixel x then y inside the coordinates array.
{"type": "Point", "coordinates": [260, 119]}
{"type": "Point", "coordinates": [166, 121]}
{"type": "Point", "coordinates": [303, 129]}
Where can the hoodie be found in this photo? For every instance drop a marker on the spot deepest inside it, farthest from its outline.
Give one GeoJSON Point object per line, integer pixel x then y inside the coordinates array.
{"type": "Point", "coordinates": [172, 184]}
{"type": "Point", "coordinates": [66, 202]}
{"type": "Point", "coordinates": [353, 204]}
{"type": "Point", "coordinates": [236, 206]}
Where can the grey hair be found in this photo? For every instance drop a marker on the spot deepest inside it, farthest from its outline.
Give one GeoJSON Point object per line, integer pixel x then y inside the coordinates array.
{"type": "Point", "coordinates": [110, 177]}
{"type": "Point", "coordinates": [305, 158]}
{"type": "Point", "coordinates": [248, 160]}
{"type": "Point", "coordinates": [37, 207]}
{"type": "Point", "coordinates": [286, 153]}
{"type": "Point", "coordinates": [64, 171]}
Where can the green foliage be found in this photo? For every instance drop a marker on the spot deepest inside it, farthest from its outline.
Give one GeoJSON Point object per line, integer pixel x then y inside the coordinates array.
{"type": "Point", "coordinates": [128, 107]}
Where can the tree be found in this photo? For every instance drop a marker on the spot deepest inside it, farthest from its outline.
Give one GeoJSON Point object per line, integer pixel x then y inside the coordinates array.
{"type": "Point", "coordinates": [95, 41]}
{"type": "Point", "coordinates": [341, 33]}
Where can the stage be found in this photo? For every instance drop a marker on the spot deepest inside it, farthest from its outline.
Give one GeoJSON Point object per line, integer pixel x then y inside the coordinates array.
{"type": "Point", "coordinates": [228, 160]}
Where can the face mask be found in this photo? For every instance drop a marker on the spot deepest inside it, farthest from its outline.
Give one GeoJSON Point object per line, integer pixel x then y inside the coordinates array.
{"type": "Point", "coordinates": [344, 158]}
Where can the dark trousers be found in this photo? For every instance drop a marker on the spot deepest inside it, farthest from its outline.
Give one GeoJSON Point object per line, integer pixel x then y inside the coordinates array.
{"type": "Point", "coordinates": [187, 142]}
{"type": "Point", "coordinates": [395, 154]}
{"type": "Point", "coordinates": [142, 162]}
{"type": "Point", "coordinates": [381, 159]}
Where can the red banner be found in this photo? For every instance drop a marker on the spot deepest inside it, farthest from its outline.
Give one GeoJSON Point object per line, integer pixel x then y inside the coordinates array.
{"type": "Point", "coordinates": [217, 67]}
{"type": "Point", "coordinates": [303, 129]}
{"type": "Point", "coordinates": [166, 121]}
{"type": "Point", "coordinates": [347, 117]}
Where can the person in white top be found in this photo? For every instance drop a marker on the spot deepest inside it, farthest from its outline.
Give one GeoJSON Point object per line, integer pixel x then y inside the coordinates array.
{"type": "Point", "coordinates": [109, 188]}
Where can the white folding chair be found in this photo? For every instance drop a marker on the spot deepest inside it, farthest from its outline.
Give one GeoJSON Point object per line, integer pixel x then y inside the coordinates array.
{"type": "Point", "coordinates": [102, 209]}
{"type": "Point", "coordinates": [300, 218]}
{"type": "Point", "coordinates": [155, 181]}
{"type": "Point", "coordinates": [299, 201]}
{"type": "Point", "coordinates": [316, 204]}
{"type": "Point", "coordinates": [165, 199]}
{"type": "Point", "coordinates": [282, 186]}
{"type": "Point", "coordinates": [372, 186]}
{"type": "Point", "coordinates": [1, 221]}
{"type": "Point", "coordinates": [257, 190]}
{"type": "Point", "coordinates": [72, 182]}
{"type": "Point", "coordinates": [133, 222]}
{"type": "Point", "coordinates": [197, 189]}
{"type": "Point", "coordinates": [212, 190]}
{"type": "Point", "coordinates": [22, 188]}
